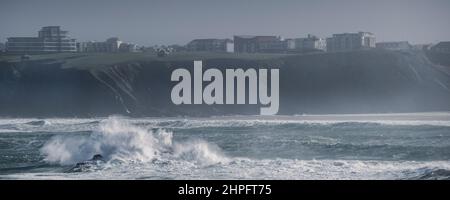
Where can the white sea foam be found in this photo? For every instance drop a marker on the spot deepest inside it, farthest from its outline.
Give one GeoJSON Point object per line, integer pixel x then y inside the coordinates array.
{"type": "Point", "coordinates": [58, 125]}
{"type": "Point", "coordinates": [145, 148]}
{"type": "Point", "coordinates": [117, 139]}
{"type": "Point", "coordinates": [11, 131]}
{"type": "Point", "coordinates": [243, 168]}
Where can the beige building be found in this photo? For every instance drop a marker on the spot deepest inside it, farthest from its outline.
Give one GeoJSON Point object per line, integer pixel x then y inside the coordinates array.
{"type": "Point", "coordinates": [442, 47]}
{"type": "Point", "coordinates": [310, 43]}
{"type": "Point", "coordinates": [110, 45]}
{"type": "Point", "coordinates": [350, 41]}
{"type": "Point", "coordinates": [51, 39]}
{"type": "Point", "coordinates": [211, 45]}
{"type": "Point", "coordinates": [259, 44]}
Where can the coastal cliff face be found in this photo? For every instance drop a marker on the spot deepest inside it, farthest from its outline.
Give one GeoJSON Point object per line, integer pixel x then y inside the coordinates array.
{"type": "Point", "coordinates": [352, 82]}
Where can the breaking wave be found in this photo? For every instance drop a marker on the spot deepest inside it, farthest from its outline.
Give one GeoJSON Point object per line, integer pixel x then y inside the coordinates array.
{"type": "Point", "coordinates": [117, 140]}
{"type": "Point", "coordinates": [427, 173]}
{"type": "Point", "coordinates": [286, 147]}
{"type": "Point", "coordinates": [38, 123]}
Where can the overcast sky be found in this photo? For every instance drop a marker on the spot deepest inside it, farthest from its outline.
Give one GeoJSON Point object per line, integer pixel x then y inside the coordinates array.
{"type": "Point", "coordinates": [177, 22]}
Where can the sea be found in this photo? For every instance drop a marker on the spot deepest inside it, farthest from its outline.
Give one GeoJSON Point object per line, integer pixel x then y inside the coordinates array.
{"type": "Point", "coordinates": [360, 146]}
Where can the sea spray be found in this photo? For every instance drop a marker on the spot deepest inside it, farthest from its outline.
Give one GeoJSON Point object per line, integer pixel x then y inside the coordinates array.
{"type": "Point", "coordinates": [200, 152]}
{"type": "Point", "coordinates": [116, 139]}
{"type": "Point", "coordinates": [388, 146]}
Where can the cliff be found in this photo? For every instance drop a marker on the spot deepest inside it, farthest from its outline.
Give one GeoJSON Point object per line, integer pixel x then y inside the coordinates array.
{"type": "Point", "coordinates": [87, 85]}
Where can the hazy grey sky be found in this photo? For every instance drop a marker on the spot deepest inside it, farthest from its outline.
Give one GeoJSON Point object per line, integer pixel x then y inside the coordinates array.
{"type": "Point", "coordinates": [177, 22]}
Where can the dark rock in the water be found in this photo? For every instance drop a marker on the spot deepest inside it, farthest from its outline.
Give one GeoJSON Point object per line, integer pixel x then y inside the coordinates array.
{"type": "Point", "coordinates": [88, 164]}
{"type": "Point", "coordinates": [97, 157]}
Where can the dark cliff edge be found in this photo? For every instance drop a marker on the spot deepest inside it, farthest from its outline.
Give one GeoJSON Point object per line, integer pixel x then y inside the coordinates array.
{"type": "Point", "coordinates": [372, 81]}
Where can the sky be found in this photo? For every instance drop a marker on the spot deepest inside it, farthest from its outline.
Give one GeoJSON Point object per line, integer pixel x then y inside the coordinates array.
{"type": "Point", "coordinates": [163, 22]}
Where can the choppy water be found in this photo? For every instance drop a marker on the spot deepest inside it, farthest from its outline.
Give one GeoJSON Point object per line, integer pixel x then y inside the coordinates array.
{"type": "Point", "coordinates": [397, 146]}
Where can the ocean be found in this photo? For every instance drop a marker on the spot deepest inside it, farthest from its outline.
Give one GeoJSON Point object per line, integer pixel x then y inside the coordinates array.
{"type": "Point", "coordinates": [366, 146]}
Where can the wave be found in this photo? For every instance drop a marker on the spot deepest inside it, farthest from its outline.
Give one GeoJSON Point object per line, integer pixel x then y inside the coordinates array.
{"type": "Point", "coordinates": [250, 148]}
{"type": "Point", "coordinates": [145, 140]}
{"type": "Point", "coordinates": [245, 168]}
{"type": "Point", "coordinates": [50, 126]}
{"type": "Point", "coordinates": [118, 140]}
{"type": "Point", "coordinates": [424, 120]}
{"type": "Point", "coordinates": [427, 173]}
{"type": "Point", "coordinates": [84, 125]}
{"type": "Point", "coordinates": [211, 122]}
{"type": "Point", "coordinates": [11, 131]}
{"type": "Point", "coordinates": [38, 123]}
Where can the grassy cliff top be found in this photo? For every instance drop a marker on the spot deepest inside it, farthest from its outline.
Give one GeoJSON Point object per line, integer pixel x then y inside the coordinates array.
{"type": "Point", "coordinates": [86, 60]}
